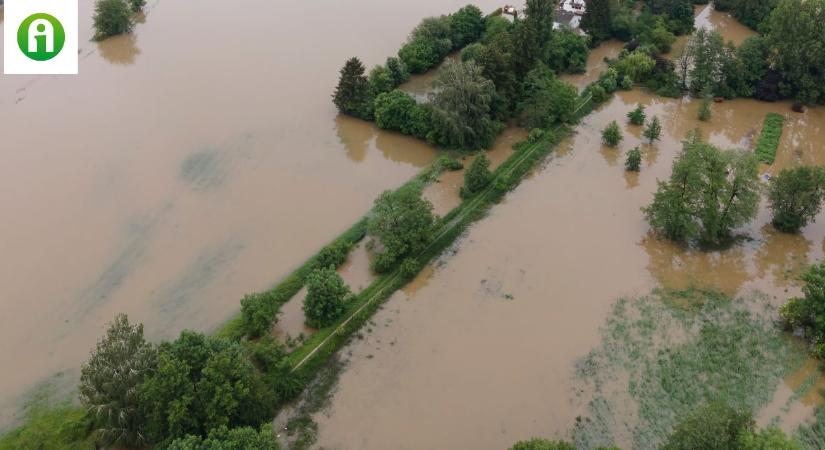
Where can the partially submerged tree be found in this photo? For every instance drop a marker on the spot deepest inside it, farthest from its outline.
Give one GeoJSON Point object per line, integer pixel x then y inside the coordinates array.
{"type": "Point", "coordinates": [633, 163]}
{"type": "Point", "coordinates": [327, 296]}
{"type": "Point", "coordinates": [714, 426]}
{"type": "Point", "coordinates": [653, 131]}
{"type": "Point", "coordinates": [807, 313]}
{"type": "Point", "coordinates": [710, 193]}
{"type": "Point", "coordinates": [461, 107]}
{"type": "Point", "coordinates": [637, 116]}
{"type": "Point", "coordinates": [352, 94]}
{"type": "Point", "coordinates": [403, 222]}
{"type": "Point", "coordinates": [612, 134]}
{"type": "Point", "coordinates": [796, 197]}
{"type": "Point", "coordinates": [112, 17]}
{"type": "Point", "coordinates": [109, 384]}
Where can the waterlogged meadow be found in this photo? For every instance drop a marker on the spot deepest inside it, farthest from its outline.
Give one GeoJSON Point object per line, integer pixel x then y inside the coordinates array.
{"type": "Point", "coordinates": [665, 354]}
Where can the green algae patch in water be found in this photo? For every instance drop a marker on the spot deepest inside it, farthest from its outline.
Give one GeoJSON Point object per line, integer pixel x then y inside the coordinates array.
{"type": "Point", "coordinates": [664, 354]}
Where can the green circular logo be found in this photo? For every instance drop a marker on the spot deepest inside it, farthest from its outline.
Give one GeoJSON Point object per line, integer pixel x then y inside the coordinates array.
{"type": "Point", "coordinates": [41, 37]}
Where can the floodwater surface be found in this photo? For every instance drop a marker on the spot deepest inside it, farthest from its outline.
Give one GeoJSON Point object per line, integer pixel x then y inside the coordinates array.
{"type": "Point", "coordinates": [481, 352]}
{"type": "Point", "coordinates": [188, 163]}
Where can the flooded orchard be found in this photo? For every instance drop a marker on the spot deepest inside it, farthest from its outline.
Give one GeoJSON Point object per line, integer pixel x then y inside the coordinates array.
{"type": "Point", "coordinates": [482, 352]}
{"type": "Point", "coordinates": [188, 163]}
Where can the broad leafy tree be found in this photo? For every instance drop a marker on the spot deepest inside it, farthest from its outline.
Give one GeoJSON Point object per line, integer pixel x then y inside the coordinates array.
{"type": "Point", "coordinates": [477, 176]}
{"type": "Point", "coordinates": [327, 296]}
{"type": "Point", "coordinates": [797, 36]}
{"type": "Point", "coordinates": [796, 197]}
{"type": "Point", "coordinates": [202, 384]}
{"type": "Point", "coordinates": [109, 383]}
{"type": "Point", "coordinates": [112, 17]}
{"type": "Point", "coordinates": [466, 25]}
{"type": "Point", "coordinates": [224, 438]}
{"type": "Point", "coordinates": [547, 99]}
{"type": "Point", "coordinates": [714, 426]}
{"type": "Point", "coordinates": [710, 192]}
{"type": "Point", "coordinates": [403, 223]}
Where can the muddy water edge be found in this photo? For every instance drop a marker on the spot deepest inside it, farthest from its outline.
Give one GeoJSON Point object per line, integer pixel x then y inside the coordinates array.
{"type": "Point", "coordinates": [188, 163]}
{"type": "Point", "coordinates": [481, 351]}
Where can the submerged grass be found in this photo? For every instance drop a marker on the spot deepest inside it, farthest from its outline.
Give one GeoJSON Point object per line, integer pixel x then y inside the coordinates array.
{"type": "Point", "coordinates": [664, 354]}
{"type": "Point", "coordinates": [50, 427]}
{"type": "Point", "coordinates": [769, 139]}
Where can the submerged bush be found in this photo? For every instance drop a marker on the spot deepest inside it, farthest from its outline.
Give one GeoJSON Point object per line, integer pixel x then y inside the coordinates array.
{"type": "Point", "coordinates": [637, 116]}
{"type": "Point", "coordinates": [807, 313]}
{"type": "Point", "coordinates": [333, 255]}
{"type": "Point", "coordinates": [477, 177]}
{"type": "Point", "coordinates": [112, 17]}
{"type": "Point", "coordinates": [612, 134]}
{"type": "Point", "coordinates": [769, 139]}
{"type": "Point", "coordinates": [258, 312]}
{"type": "Point", "coordinates": [633, 163]}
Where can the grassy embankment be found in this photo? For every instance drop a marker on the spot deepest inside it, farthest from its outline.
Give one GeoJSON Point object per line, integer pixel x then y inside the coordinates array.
{"type": "Point", "coordinates": [769, 139]}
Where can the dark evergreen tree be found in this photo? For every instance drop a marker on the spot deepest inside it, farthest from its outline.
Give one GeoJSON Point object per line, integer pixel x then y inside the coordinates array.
{"type": "Point", "coordinates": [597, 19]}
{"type": "Point", "coordinates": [352, 95]}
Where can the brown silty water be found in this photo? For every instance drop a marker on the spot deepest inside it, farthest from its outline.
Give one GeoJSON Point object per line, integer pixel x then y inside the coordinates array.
{"type": "Point", "coordinates": [193, 161]}
{"type": "Point", "coordinates": [709, 18]}
{"type": "Point", "coordinates": [479, 351]}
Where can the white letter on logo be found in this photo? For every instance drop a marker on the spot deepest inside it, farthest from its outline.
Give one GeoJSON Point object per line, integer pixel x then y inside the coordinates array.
{"type": "Point", "coordinates": [47, 31]}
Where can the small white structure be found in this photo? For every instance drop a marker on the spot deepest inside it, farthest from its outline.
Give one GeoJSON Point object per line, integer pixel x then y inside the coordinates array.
{"type": "Point", "coordinates": [576, 7]}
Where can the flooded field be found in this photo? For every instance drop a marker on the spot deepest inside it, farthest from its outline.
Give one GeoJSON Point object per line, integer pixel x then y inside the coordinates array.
{"type": "Point", "coordinates": [481, 350]}
{"type": "Point", "coordinates": [193, 161]}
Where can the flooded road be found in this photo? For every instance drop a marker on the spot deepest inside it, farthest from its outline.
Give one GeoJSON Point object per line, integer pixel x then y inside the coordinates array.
{"type": "Point", "coordinates": [480, 351]}
{"type": "Point", "coordinates": [193, 161]}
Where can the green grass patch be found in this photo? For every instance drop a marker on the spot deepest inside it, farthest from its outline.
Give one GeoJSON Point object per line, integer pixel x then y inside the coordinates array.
{"type": "Point", "coordinates": [769, 139]}
{"type": "Point", "coordinates": [50, 427]}
{"type": "Point", "coordinates": [664, 354]}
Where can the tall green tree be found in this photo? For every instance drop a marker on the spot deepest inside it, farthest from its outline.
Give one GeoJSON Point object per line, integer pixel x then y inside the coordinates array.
{"type": "Point", "coordinates": [327, 296]}
{"type": "Point", "coordinates": [466, 25]}
{"type": "Point", "coordinates": [598, 18]}
{"type": "Point", "coordinates": [352, 94]}
{"type": "Point", "coordinates": [797, 37]}
{"type": "Point", "coordinates": [202, 384]}
{"type": "Point", "coordinates": [477, 176]}
{"type": "Point", "coordinates": [547, 99]}
{"type": "Point", "coordinates": [403, 222]}
{"type": "Point", "coordinates": [796, 197]}
{"type": "Point", "coordinates": [710, 192]}
{"type": "Point", "coordinates": [461, 107]}
{"type": "Point", "coordinates": [109, 382]}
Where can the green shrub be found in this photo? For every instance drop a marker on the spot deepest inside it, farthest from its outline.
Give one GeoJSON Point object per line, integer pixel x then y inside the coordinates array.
{"type": "Point", "coordinates": [449, 163]}
{"type": "Point", "coordinates": [327, 296]}
{"type": "Point", "coordinates": [258, 314]}
{"type": "Point", "coordinates": [112, 17]}
{"type": "Point", "coordinates": [477, 177]}
{"type": "Point", "coordinates": [807, 313]}
{"type": "Point", "coordinates": [224, 438]}
{"type": "Point", "coordinates": [409, 268]}
{"type": "Point", "coordinates": [535, 135]}
{"type": "Point", "coordinates": [627, 83]}
{"type": "Point", "coordinates": [637, 116]}
{"type": "Point", "coordinates": [705, 113]}
{"type": "Point", "coordinates": [472, 52]}
{"type": "Point", "coordinates": [333, 255]}
{"type": "Point", "coordinates": [633, 163]}
{"type": "Point", "coordinates": [715, 426]}
{"type": "Point", "coordinates": [769, 139]}
{"type": "Point", "coordinates": [612, 134]}
{"type": "Point", "coordinates": [542, 444]}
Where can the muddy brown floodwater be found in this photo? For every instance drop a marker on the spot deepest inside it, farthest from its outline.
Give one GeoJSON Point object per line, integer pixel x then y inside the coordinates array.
{"type": "Point", "coordinates": [479, 351]}
{"type": "Point", "coordinates": [193, 161]}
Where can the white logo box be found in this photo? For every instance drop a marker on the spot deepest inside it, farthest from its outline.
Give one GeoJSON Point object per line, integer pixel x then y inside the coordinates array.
{"type": "Point", "coordinates": [15, 62]}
